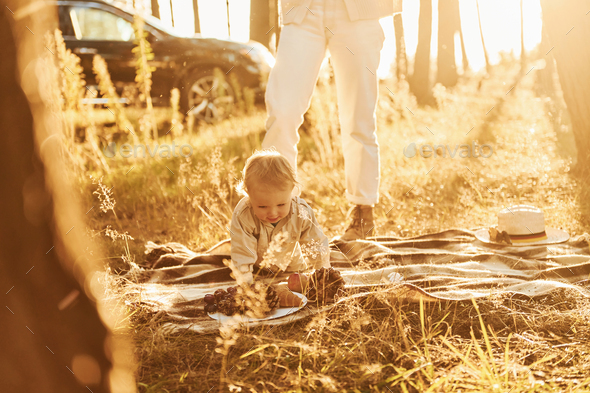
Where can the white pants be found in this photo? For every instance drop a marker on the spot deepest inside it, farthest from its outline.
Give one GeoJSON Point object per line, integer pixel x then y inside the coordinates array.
{"type": "Point", "coordinates": [355, 51]}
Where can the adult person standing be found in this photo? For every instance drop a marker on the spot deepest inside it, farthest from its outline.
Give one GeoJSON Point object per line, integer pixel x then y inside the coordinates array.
{"type": "Point", "coordinates": [351, 31]}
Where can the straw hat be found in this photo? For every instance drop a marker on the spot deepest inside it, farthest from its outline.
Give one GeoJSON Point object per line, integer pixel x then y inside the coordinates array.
{"type": "Point", "coordinates": [521, 225]}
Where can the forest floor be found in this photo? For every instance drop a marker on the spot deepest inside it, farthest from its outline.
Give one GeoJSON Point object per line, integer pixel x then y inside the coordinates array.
{"type": "Point", "coordinates": [373, 345]}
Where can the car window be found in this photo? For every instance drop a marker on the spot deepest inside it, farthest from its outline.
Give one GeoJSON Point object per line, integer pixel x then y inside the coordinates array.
{"type": "Point", "coordinates": [95, 24]}
{"type": "Point", "coordinates": [65, 22]}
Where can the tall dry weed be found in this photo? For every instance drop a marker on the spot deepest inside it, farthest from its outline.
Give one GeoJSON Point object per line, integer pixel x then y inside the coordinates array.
{"type": "Point", "coordinates": [62, 89]}
{"type": "Point", "coordinates": [249, 100]}
{"type": "Point", "coordinates": [244, 97]}
{"type": "Point", "coordinates": [143, 71]}
{"type": "Point", "coordinates": [107, 89]}
{"type": "Point", "coordinates": [395, 102]}
{"type": "Point", "coordinates": [190, 122]}
{"type": "Point", "coordinates": [91, 132]}
{"type": "Point", "coordinates": [210, 192]}
{"type": "Point", "coordinates": [177, 126]}
{"type": "Point", "coordinates": [72, 82]}
{"type": "Point", "coordinates": [238, 96]}
{"type": "Point", "coordinates": [107, 203]}
{"type": "Point", "coordinates": [220, 82]}
{"type": "Point", "coordinates": [324, 125]}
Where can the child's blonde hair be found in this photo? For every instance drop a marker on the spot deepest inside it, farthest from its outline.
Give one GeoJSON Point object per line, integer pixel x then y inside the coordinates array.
{"type": "Point", "coordinates": [268, 167]}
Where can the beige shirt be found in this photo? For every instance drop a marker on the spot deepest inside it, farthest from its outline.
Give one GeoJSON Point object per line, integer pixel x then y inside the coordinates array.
{"type": "Point", "coordinates": [293, 11]}
{"type": "Point", "coordinates": [299, 242]}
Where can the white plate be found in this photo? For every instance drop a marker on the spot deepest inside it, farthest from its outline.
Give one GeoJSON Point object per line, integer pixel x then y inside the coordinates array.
{"type": "Point", "coordinates": [277, 313]}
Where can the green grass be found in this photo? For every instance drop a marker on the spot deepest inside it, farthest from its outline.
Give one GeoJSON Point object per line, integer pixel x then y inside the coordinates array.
{"type": "Point", "coordinates": [374, 343]}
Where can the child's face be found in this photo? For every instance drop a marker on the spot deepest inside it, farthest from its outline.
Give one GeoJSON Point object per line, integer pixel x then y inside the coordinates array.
{"type": "Point", "coordinates": [270, 204]}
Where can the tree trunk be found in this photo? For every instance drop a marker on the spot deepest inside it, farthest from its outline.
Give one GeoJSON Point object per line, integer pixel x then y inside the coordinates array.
{"type": "Point", "coordinates": [420, 81]}
{"type": "Point", "coordinates": [401, 62]}
{"type": "Point", "coordinates": [172, 13]}
{"type": "Point", "coordinates": [228, 22]}
{"type": "Point", "coordinates": [569, 34]}
{"type": "Point", "coordinates": [522, 50]}
{"type": "Point", "coordinates": [52, 336]}
{"type": "Point", "coordinates": [463, 51]}
{"type": "Point", "coordinates": [197, 20]}
{"type": "Point", "coordinates": [259, 21]}
{"type": "Point", "coordinates": [447, 26]}
{"type": "Point", "coordinates": [483, 44]}
{"type": "Point", "coordinates": [155, 9]}
{"type": "Point", "coordinates": [275, 21]}
{"type": "Point", "coordinates": [546, 85]}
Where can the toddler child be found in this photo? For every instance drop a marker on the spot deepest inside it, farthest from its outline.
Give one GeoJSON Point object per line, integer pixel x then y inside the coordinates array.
{"type": "Point", "coordinates": [270, 212]}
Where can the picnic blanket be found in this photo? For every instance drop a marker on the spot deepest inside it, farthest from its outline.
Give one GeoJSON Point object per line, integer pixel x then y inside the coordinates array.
{"type": "Point", "coordinates": [451, 265]}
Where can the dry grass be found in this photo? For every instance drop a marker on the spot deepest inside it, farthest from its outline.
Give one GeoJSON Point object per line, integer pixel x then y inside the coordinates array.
{"type": "Point", "coordinates": [373, 343]}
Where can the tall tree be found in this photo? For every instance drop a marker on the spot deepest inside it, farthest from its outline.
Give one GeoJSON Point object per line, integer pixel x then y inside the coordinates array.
{"type": "Point", "coordinates": [483, 43]}
{"type": "Point", "coordinates": [420, 81]}
{"type": "Point", "coordinates": [228, 19]}
{"type": "Point", "coordinates": [569, 34]}
{"type": "Point", "coordinates": [463, 51]}
{"type": "Point", "coordinates": [197, 20]}
{"type": "Point", "coordinates": [522, 50]}
{"type": "Point", "coordinates": [546, 80]}
{"type": "Point", "coordinates": [172, 12]}
{"type": "Point", "coordinates": [401, 61]}
{"type": "Point", "coordinates": [448, 24]}
{"type": "Point", "coordinates": [260, 21]}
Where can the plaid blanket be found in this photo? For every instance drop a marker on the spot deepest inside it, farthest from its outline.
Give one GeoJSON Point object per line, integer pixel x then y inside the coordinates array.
{"type": "Point", "coordinates": [447, 266]}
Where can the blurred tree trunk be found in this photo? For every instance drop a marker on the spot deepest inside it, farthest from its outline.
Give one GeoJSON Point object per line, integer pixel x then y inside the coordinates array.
{"type": "Point", "coordinates": [172, 13]}
{"type": "Point", "coordinates": [522, 50]}
{"type": "Point", "coordinates": [260, 21]}
{"type": "Point", "coordinates": [52, 336]}
{"type": "Point", "coordinates": [275, 22]}
{"type": "Point", "coordinates": [155, 9]}
{"type": "Point", "coordinates": [420, 81]}
{"type": "Point", "coordinates": [42, 332]}
{"type": "Point", "coordinates": [463, 51]}
{"type": "Point", "coordinates": [401, 61]}
{"type": "Point", "coordinates": [197, 20]}
{"type": "Point", "coordinates": [483, 44]}
{"type": "Point", "coordinates": [569, 34]}
{"type": "Point", "coordinates": [228, 22]}
{"type": "Point", "coordinates": [546, 85]}
{"type": "Point", "coordinates": [448, 24]}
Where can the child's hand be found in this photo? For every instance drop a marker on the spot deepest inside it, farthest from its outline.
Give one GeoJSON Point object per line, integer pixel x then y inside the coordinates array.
{"type": "Point", "coordinates": [248, 277]}
{"type": "Point", "coordinates": [298, 282]}
{"type": "Point", "coordinates": [244, 278]}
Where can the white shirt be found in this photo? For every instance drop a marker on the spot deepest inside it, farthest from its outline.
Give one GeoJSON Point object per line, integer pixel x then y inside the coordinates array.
{"type": "Point", "coordinates": [299, 242]}
{"type": "Point", "coordinates": [293, 11]}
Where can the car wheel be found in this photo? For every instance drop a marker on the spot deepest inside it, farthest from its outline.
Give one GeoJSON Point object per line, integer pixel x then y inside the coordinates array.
{"type": "Point", "coordinates": [208, 97]}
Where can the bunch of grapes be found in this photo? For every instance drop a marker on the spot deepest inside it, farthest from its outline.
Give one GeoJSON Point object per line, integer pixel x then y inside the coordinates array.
{"type": "Point", "coordinates": [223, 301]}
{"type": "Point", "coordinates": [235, 300]}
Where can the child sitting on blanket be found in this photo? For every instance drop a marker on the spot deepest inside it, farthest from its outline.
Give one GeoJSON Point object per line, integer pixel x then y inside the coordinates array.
{"type": "Point", "coordinates": [270, 228]}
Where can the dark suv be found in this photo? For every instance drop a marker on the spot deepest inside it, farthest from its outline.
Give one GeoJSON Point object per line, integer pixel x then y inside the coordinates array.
{"type": "Point", "coordinates": [95, 27]}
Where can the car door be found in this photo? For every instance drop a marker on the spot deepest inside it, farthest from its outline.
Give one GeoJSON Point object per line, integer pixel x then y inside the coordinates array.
{"type": "Point", "coordinates": [96, 31]}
